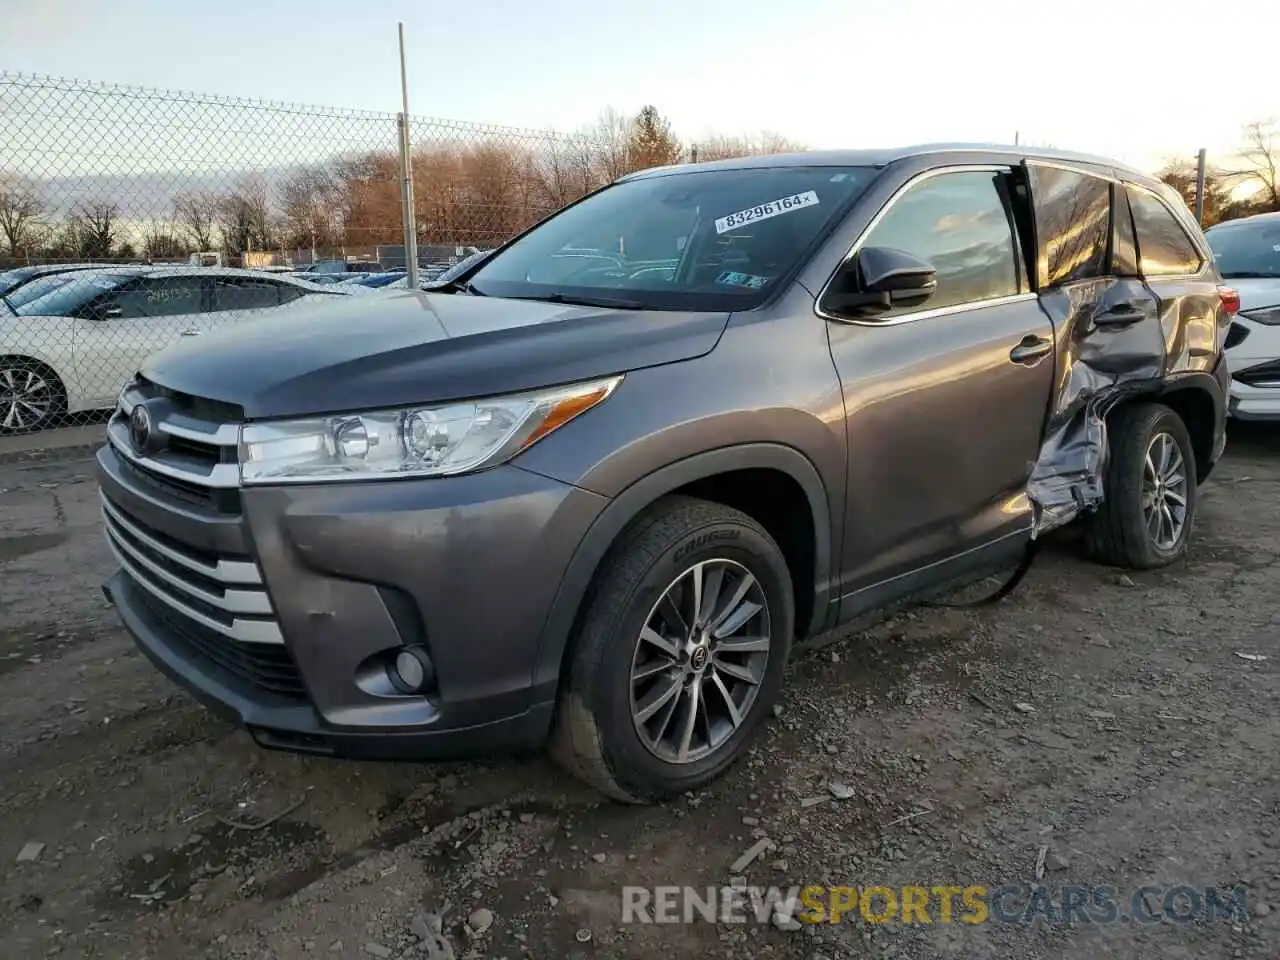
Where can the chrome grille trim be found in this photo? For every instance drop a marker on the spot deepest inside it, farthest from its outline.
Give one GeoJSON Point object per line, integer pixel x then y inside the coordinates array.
{"type": "Point", "coordinates": [246, 631]}
{"type": "Point", "coordinates": [252, 602]}
{"type": "Point", "coordinates": [225, 476]}
{"type": "Point", "coordinates": [180, 425]}
{"type": "Point", "coordinates": [224, 571]}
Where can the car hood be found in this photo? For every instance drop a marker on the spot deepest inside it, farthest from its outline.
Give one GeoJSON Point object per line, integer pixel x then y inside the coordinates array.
{"type": "Point", "coordinates": [407, 348]}
{"type": "Point", "coordinates": [1256, 292]}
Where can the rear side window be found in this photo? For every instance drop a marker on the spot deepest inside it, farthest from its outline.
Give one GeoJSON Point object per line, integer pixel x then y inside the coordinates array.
{"type": "Point", "coordinates": [957, 222]}
{"type": "Point", "coordinates": [1073, 223]}
{"type": "Point", "coordinates": [244, 293]}
{"type": "Point", "coordinates": [1164, 249]}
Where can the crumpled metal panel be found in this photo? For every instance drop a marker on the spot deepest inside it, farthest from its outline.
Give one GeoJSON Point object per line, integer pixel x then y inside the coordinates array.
{"type": "Point", "coordinates": [1097, 367]}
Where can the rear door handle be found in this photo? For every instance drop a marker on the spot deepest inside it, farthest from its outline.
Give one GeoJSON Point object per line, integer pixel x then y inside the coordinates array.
{"type": "Point", "coordinates": [191, 333]}
{"type": "Point", "coordinates": [1031, 349]}
{"type": "Point", "coordinates": [1119, 315]}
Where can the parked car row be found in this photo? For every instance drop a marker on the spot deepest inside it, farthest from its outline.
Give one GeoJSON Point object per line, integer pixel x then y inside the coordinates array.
{"type": "Point", "coordinates": [69, 339]}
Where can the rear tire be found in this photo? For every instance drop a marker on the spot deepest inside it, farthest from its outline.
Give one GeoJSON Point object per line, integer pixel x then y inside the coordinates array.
{"type": "Point", "coordinates": [32, 398]}
{"type": "Point", "coordinates": [623, 722]}
{"type": "Point", "coordinates": [1149, 503]}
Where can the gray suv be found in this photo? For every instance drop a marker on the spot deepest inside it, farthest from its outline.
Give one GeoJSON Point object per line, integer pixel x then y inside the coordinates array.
{"type": "Point", "coordinates": [592, 490]}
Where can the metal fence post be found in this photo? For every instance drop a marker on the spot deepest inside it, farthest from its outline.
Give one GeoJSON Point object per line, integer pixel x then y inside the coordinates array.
{"type": "Point", "coordinates": [406, 159]}
{"type": "Point", "coordinates": [1200, 165]}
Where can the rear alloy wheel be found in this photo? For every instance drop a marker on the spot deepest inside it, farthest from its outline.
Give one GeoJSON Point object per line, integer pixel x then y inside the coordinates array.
{"type": "Point", "coordinates": [31, 398]}
{"type": "Point", "coordinates": [1149, 489]}
{"type": "Point", "coordinates": [680, 652]}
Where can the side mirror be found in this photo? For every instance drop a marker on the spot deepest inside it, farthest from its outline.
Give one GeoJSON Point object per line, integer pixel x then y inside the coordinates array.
{"type": "Point", "coordinates": [879, 279]}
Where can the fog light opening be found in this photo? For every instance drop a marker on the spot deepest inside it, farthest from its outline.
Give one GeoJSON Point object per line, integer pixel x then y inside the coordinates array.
{"type": "Point", "coordinates": [411, 671]}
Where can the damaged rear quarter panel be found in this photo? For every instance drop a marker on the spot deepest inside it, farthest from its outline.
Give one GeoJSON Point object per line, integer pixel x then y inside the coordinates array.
{"type": "Point", "coordinates": [1098, 367]}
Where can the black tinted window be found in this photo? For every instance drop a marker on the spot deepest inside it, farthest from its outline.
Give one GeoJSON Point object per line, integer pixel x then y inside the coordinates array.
{"type": "Point", "coordinates": [244, 293]}
{"type": "Point", "coordinates": [1073, 218]}
{"type": "Point", "coordinates": [959, 224]}
{"type": "Point", "coordinates": [59, 299]}
{"type": "Point", "coordinates": [167, 297]}
{"type": "Point", "coordinates": [1164, 249]}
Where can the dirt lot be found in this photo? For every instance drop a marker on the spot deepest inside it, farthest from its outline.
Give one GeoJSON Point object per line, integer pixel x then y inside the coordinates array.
{"type": "Point", "coordinates": [1107, 718]}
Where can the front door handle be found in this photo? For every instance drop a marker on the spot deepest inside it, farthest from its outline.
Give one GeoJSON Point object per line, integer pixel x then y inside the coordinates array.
{"type": "Point", "coordinates": [1030, 349]}
{"type": "Point", "coordinates": [191, 333]}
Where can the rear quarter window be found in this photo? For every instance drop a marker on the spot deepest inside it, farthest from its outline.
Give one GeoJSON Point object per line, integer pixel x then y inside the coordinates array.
{"type": "Point", "coordinates": [1164, 249]}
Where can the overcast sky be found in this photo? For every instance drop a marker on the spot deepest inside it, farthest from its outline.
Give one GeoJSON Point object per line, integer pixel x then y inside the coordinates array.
{"type": "Point", "coordinates": [1126, 78]}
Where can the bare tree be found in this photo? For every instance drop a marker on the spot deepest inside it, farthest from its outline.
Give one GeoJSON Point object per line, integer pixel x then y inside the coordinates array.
{"type": "Point", "coordinates": [96, 224]}
{"type": "Point", "coordinates": [244, 217]}
{"type": "Point", "coordinates": [196, 213]}
{"type": "Point", "coordinates": [311, 208]}
{"type": "Point", "coordinates": [721, 147]}
{"type": "Point", "coordinates": [611, 139]}
{"type": "Point", "coordinates": [1180, 173]}
{"type": "Point", "coordinates": [161, 240]}
{"type": "Point", "coordinates": [21, 210]}
{"type": "Point", "coordinates": [1261, 156]}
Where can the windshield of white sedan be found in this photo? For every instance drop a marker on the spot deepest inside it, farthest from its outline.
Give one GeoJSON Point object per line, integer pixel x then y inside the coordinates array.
{"type": "Point", "coordinates": [1247, 249]}
{"type": "Point", "coordinates": [64, 294]}
{"type": "Point", "coordinates": [701, 240]}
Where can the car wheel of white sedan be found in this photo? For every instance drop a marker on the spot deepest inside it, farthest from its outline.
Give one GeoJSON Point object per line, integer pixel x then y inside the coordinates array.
{"type": "Point", "coordinates": [31, 396]}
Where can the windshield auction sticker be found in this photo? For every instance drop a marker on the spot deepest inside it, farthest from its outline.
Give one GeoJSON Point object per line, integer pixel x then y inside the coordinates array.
{"type": "Point", "coordinates": [774, 208]}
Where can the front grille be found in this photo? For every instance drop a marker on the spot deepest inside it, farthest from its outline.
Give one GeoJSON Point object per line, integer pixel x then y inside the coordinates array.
{"type": "Point", "coordinates": [214, 605]}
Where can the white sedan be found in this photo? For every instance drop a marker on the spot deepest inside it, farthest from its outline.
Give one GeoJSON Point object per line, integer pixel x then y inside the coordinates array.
{"type": "Point", "coordinates": [69, 342]}
{"type": "Point", "coordinates": [1247, 252]}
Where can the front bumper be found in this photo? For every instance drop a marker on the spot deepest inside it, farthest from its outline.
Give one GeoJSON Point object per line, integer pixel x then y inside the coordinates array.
{"type": "Point", "coordinates": [467, 567]}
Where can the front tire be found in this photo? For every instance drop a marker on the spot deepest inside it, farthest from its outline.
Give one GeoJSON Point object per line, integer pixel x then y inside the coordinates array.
{"type": "Point", "coordinates": [1149, 503]}
{"type": "Point", "coordinates": [32, 398]}
{"type": "Point", "coordinates": [680, 652]}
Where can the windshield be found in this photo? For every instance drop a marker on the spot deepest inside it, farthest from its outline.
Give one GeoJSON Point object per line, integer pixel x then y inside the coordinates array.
{"type": "Point", "coordinates": [67, 297]}
{"type": "Point", "coordinates": [12, 279]}
{"type": "Point", "coordinates": [1247, 249]}
{"type": "Point", "coordinates": [701, 240]}
{"type": "Point", "coordinates": [37, 289]}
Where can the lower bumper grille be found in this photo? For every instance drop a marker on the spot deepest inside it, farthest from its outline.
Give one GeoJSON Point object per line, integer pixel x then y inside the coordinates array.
{"type": "Point", "coordinates": [215, 605]}
{"type": "Point", "coordinates": [264, 665]}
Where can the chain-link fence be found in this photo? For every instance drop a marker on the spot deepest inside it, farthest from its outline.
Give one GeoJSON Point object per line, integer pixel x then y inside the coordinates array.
{"type": "Point", "coordinates": [130, 218]}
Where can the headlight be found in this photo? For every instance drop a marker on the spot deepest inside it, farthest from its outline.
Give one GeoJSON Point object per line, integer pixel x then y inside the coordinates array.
{"type": "Point", "coordinates": [1268, 315]}
{"type": "Point", "coordinates": [411, 442]}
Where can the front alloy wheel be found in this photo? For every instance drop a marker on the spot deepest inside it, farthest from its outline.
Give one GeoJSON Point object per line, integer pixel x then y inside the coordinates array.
{"type": "Point", "coordinates": [699, 661]}
{"type": "Point", "coordinates": [30, 397]}
{"type": "Point", "coordinates": [679, 654]}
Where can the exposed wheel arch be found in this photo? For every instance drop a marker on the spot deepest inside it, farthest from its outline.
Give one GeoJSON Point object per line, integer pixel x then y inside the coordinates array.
{"type": "Point", "coordinates": [724, 475]}
{"type": "Point", "coordinates": [1196, 404]}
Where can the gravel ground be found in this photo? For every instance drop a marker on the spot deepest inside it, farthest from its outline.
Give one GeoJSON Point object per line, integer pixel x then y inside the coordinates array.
{"type": "Point", "coordinates": [1102, 724]}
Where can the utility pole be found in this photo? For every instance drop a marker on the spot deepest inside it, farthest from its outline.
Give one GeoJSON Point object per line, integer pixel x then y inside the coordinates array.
{"type": "Point", "coordinates": [1200, 172]}
{"type": "Point", "coordinates": [406, 159]}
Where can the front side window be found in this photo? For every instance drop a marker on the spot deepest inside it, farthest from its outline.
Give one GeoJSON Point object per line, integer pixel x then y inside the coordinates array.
{"type": "Point", "coordinates": [162, 297]}
{"type": "Point", "coordinates": [1164, 249]}
{"type": "Point", "coordinates": [958, 222]}
{"type": "Point", "coordinates": [1246, 248]}
{"type": "Point", "coordinates": [700, 240]}
{"type": "Point", "coordinates": [1073, 222]}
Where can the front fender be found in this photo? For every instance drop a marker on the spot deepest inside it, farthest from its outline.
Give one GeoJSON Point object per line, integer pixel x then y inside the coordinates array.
{"type": "Point", "coordinates": [628, 504]}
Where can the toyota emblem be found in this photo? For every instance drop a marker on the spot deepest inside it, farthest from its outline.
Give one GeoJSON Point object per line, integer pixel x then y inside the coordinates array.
{"type": "Point", "coordinates": [140, 428]}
